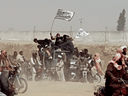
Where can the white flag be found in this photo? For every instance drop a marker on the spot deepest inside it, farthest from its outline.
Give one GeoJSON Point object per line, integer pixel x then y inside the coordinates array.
{"type": "Point", "coordinates": [81, 32]}
{"type": "Point", "coordinates": [64, 15]}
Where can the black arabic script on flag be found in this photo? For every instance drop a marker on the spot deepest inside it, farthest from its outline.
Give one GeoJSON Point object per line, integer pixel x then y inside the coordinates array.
{"type": "Point", "coordinates": [64, 15]}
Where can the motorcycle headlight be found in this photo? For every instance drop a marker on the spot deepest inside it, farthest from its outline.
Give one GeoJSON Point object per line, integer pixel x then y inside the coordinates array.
{"type": "Point", "coordinates": [18, 71]}
{"type": "Point", "coordinates": [85, 68]}
{"type": "Point", "coordinates": [42, 49]}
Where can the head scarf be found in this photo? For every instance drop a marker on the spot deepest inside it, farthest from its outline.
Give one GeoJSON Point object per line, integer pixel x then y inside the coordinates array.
{"type": "Point", "coordinates": [116, 58]}
{"type": "Point", "coordinates": [97, 56]}
{"type": "Point", "coordinates": [97, 61]}
{"type": "Point", "coordinates": [122, 47]}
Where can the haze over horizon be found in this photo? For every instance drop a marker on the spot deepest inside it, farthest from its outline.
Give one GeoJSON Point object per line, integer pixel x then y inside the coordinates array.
{"type": "Point", "coordinates": [23, 15]}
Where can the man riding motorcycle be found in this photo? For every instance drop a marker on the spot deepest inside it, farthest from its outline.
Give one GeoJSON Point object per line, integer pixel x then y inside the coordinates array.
{"type": "Point", "coordinates": [4, 85]}
{"type": "Point", "coordinates": [13, 59]}
{"type": "Point", "coordinates": [97, 67]}
{"type": "Point", "coordinates": [115, 70]}
{"type": "Point", "coordinates": [36, 66]}
{"type": "Point", "coordinates": [24, 64]}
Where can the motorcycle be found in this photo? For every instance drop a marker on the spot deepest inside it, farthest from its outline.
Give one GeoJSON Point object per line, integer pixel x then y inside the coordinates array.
{"type": "Point", "coordinates": [90, 77]}
{"type": "Point", "coordinates": [50, 74]}
{"type": "Point", "coordinates": [101, 89]}
{"type": "Point", "coordinates": [25, 70]}
{"type": "Point", "coordinates": [50, 64]}
{"type": "Point", "coordinates": [84, 69]}
{"type": "Point", "coordinates": [39, 74]}
{"type": "Point", "coordinates": [19, 84]}
{"type": "Point", "coordinates": [86, 72]}
{"type": "Point", "coordinates": [73, 67]}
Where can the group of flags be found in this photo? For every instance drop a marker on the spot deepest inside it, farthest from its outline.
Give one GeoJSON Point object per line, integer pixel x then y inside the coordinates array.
{"type": "Point", "coordinates": [68, 15]}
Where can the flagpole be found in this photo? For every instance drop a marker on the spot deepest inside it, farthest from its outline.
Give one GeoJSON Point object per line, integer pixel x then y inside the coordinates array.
{"type": "Point", "coordinates": [52, 25]}
{"type": "Point", "coordinates": [73, 38]}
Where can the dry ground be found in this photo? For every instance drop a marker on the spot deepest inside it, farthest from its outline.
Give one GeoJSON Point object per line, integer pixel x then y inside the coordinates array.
{"type": "Point", "coordinates": [52, 88]}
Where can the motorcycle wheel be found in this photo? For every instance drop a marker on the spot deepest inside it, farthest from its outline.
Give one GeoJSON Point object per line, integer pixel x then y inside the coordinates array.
{"type": "Point", "coordinates": [22, 87]}
{"type": "Point", "coordinates": [84, 77]}
{"type": "Point", "coordinates": [89, 77]}
{"type": "Point", "coordinates": [97, 78]}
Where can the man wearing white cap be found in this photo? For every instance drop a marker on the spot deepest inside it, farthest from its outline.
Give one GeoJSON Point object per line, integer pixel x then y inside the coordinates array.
{"type": "Point", "coordinates": [60, 68]}
{"type": "Point", "coordinates": [124, 48]}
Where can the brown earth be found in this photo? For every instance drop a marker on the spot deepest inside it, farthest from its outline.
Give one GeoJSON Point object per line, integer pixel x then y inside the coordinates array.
{"type": "Point", "coordinates": [50, 88]}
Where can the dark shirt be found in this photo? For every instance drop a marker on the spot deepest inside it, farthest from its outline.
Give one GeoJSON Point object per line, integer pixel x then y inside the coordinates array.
{"type": "Point", "coordinates": [116, 73]}
{"type": "Point", "coordinates": [67, 46]}
{"type": "Point", "coordinates": [126, 62]}
{"type": "Point", "coordinates": [41, 54]}
{"type": "Point", "coordinates": [111, 72]}
{"type": "Point", "coordinates": [4, 87]}
{"type": "Point", "coordinates": [76, 53]}
{"type": "Point", "coordinates": [58, 41]}
{"type": "Point", "coordinates": [88, 56]}
{"type": "Point", "coordinates": [43, 42]}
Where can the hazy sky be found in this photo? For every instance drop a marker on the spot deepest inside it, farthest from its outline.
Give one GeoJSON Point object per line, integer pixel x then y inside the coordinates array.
{"type": "Point", "coordinates": [23, 15]}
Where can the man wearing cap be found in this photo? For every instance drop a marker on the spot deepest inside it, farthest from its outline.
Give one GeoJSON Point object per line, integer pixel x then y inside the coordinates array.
{"type": "Point", "coordinates": [124, 48]}
{"type": "Point", "coordinates": [60, 68]}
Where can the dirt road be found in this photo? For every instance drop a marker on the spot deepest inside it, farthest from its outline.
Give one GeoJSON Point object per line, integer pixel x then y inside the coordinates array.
{"type": "Point", "coordinates": [55, 88]}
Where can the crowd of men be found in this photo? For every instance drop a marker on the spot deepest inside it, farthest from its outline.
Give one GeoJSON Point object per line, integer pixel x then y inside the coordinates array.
{"type": "Point", "coordinates": [64, 43]}
{"type": "Point", "coordinates": [35, 66]}
{"type": "Point", "coordinates": [5, 68]}
{"type": "Point", "coordinates": [58, 42]}
{"type": "Point", "coordinates": [8, 63]}
{"type": "Point", "coordinates": [117, 67]}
